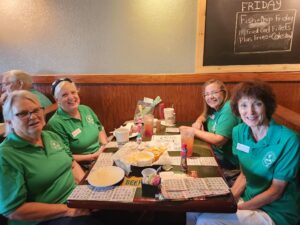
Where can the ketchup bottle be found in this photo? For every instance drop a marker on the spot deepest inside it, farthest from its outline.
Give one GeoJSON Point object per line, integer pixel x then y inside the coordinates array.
{"type": "Point", "coordinates": [161, 107]}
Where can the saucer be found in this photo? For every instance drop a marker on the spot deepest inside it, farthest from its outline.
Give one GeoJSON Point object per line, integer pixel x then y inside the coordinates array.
{"type": "Point", "coordinates": [163, 122]}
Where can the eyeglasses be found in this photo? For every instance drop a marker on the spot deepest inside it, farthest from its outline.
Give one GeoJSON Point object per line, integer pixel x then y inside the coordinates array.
{"type": "Point", "coordinates": [27, 114]}
{"type": "Point", "coordinates": [213, 93]}
{"type": "Point", "coordinates": [56, 82]}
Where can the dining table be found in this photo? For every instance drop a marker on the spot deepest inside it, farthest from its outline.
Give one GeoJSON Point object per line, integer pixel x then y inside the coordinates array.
{"type": "Point", "coordinates": [216, 204]}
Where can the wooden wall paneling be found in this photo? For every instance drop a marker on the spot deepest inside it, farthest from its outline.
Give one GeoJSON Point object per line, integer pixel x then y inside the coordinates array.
{"type": "Point", "coordinates": [288, 94]}
{"type": "Point", "coordinates": [114, 104]}
{"type": "Point", "coordinates": [169, 78]}
{"type": "Point", "coordinates": [114, 97]}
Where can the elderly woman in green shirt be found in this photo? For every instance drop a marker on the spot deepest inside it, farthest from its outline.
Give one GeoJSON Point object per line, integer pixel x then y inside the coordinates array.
{"type": "Point", "coordinates": [37, 171]}
{"type": "Point", "coordinates": [77, 124]}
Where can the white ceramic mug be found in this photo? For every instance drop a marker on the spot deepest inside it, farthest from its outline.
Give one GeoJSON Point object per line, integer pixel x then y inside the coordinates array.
{"type": "Point", "coordinates": [122, 135]}
{"type": "Point", "coordinates": [169, 115]}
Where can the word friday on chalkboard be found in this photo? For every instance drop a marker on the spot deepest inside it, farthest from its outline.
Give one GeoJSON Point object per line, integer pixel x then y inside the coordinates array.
{"type": "Point", "coordinates": [245, 32]}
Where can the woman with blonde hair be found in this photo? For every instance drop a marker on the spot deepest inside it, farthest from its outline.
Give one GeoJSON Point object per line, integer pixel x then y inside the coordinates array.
{"type": "Point", "coordinates": [216, 122]}
{"type": "Point", "coordinates": [267, 188]}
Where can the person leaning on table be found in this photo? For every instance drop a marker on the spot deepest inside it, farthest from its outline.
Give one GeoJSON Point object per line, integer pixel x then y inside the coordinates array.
{"type": "Point", "coordinates": [219, 122]}
{"type": "Point", "coordinates": [77, 124]}
{"type": "Point", "coordinates": [36, 169]}
{"type": "Point", "coordinates": [269, 156]}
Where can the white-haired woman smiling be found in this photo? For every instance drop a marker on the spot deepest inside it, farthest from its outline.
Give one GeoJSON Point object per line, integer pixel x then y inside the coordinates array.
{"type": "Point", "coordinates": [77, 124]}
{"type": "Point", "coordinates": [36, 169]}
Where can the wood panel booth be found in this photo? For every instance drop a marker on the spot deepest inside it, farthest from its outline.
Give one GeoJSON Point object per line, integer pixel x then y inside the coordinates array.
{"type": "Point", "coordinates": [114, 97]}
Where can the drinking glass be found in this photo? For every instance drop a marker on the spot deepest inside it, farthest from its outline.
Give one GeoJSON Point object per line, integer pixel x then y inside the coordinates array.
{"type": "Point", "coordinates": [148, 125]}
{"type": "Point", "coordinates": [187, 137]}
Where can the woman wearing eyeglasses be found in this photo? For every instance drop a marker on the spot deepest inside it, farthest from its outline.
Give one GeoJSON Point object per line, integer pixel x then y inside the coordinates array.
{"type": "Point", "coordinates": [37, 172]}
{"type": "Point", "coordinates": [77, 124]}
{"type": "Point", "coordinates": [216, 122]}
{"type": "Point", "coordinates": [267, 188]}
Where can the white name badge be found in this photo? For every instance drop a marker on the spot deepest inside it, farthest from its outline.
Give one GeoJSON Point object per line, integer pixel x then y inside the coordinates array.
{"type": "Point", "coordinates": [243, 148]}
{"type": "Point", "coordinates": [76, 132]}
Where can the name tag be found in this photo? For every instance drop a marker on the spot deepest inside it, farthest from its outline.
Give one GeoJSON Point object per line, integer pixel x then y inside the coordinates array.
{"type": "Point", "coordinates": [243, 148]}
{"type": "Point", "coordinates": [76, 132]}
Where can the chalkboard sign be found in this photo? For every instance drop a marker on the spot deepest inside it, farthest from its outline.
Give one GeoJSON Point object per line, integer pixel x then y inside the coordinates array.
{"type": "Point", "coordinates": [252, 32]}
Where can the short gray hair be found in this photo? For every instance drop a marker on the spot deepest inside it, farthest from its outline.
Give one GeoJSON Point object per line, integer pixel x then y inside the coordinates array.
{"type": "Point", "coordinates": [19, 75]}
{"type": "Point", "coordinates": [7, 107]}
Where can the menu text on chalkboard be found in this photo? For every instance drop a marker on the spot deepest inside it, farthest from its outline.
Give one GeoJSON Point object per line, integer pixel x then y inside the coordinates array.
{"type": "Point", "coordinates": [251, 32]}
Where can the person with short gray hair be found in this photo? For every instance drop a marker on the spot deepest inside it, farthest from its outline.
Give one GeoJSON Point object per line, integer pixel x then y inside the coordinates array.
{"type": "Point", "coordinates": [19, 80]}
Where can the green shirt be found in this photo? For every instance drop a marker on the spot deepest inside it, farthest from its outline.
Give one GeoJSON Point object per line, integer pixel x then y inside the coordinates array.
{"type": "Point", "coordinates": [42, 98]}
{"type": "Point", "coordinates": [221, 122]}
{"type": "Point", "coordinates": [276, 156]}
{"type": "Point", "coordinates": [30, 173]}
{"type": "Point", "coordinates": [82, 136]}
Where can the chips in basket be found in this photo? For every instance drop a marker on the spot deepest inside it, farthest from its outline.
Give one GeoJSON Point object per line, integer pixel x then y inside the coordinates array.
{"type": "Point", "coordinates": [157, 151]}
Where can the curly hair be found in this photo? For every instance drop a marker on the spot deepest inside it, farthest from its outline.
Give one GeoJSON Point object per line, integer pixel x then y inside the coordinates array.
{"type": "Point", "coordinates": [254, 89]}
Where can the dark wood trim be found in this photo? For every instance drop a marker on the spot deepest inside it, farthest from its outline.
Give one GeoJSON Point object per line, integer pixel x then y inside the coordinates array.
{"type": "Point", "coordinates": [168, 78]}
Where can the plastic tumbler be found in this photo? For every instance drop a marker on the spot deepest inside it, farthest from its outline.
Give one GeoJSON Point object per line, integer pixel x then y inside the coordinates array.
{"type": "Point", "coordinates": [187, 137]}
{"type": "Point", "coordinates": [148, 125]}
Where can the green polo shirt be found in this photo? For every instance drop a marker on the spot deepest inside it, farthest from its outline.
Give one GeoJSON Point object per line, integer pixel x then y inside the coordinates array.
{"type": "Point", "coordinates": [82, 136]}
{"type": "Point", "coordinates": [42, 98]}
{"type": "Point", "coordinates": [276, 156]}
{"type": "Point", "coordinates": [30, 173]}
{"type": "Point", "coordinates": [221, 122]}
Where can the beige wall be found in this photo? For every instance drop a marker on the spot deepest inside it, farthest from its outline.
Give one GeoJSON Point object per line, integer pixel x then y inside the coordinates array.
{"type": "Point", "coordinates": [98, 36]}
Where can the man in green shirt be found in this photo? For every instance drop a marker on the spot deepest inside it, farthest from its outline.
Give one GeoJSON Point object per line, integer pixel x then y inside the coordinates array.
{"type": "Point", "coordinates": [19, 80]}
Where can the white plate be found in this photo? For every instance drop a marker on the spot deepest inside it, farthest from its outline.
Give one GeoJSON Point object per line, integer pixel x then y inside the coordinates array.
{"type": "Point", "coordinates": [133, 135]}
{"type": "Point", "coordinates": [130, 136]}
{"type": "Point", "coordinates": [163, 122]}
{"type": "Point", "coordinates": [106, 176]}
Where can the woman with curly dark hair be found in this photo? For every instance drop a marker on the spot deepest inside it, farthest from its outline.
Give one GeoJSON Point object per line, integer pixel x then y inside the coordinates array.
{"type": "Point", "coordinates": [269, 155]}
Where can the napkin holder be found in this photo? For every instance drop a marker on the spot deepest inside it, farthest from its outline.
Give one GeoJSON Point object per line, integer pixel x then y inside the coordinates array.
{"type": "Point", "coordinates": [149, 190]}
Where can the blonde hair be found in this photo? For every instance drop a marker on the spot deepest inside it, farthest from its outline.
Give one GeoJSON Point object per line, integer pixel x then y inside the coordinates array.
{"type": "Point", "coordinates": [207, 110]}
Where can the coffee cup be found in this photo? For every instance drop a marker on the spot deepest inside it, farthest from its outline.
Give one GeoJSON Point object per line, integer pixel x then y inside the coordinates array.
{"type": "Point", "coordinates": [169, 115]}
{"type": "Point", "coordinates": [122, 135]}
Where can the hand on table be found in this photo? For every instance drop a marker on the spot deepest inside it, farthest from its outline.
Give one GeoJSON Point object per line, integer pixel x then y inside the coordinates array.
{"type": "Point", "coordinates": [198, 125]}
{"type": "Point", "coordinates": [73, 212]}
{"type": "Point", "coordinates": [96, 154]}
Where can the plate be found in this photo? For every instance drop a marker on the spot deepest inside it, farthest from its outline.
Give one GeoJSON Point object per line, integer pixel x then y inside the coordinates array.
{"type": "Point", "coordinates": [133, 135]}
{"type": "Point", "coordinates": [163, 122]}
{"type": "Point", "coordinates": [130, 136]}
{"type": "Point", "coordinates": [106, 176]}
